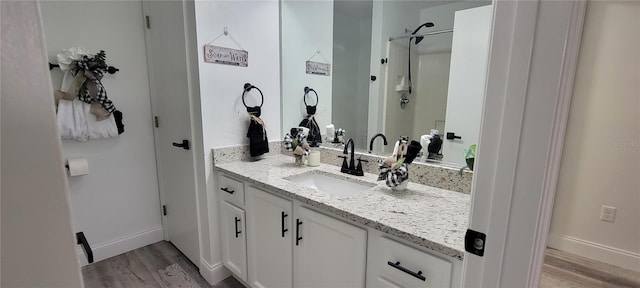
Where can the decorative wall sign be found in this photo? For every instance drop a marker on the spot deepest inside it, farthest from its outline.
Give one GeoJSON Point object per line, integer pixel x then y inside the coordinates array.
{"type": "Point", "coordinates": [318, 68]}
{"type": "Point", "coordinates": [227, 56]}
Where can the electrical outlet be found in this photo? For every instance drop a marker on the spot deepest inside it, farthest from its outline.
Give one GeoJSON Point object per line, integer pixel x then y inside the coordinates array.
{"type": "Point", "coordinates": [608, 213]}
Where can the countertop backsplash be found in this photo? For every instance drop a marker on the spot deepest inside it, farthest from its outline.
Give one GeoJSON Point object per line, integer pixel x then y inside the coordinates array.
{"type": "Point", "coordinates": [419, 172]}
{"type": "Point", "coordinates": [241, 153]}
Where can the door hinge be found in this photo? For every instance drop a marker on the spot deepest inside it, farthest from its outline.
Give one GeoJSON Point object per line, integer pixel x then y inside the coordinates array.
{"type": "Point", "coordinates": [148, 21]}
{"type": "Point", "coordinates": [164, 210]}
{"type": "Point", "coordinates": [155, 121]}
{"type": "Point", "coordinates": [474, 242]}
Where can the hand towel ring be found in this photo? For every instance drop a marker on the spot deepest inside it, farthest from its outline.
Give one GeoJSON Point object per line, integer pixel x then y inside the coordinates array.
{"type": "Point", "coordinates": [252, 110]}
{"type": "Point", "coordinates": [306, 92]}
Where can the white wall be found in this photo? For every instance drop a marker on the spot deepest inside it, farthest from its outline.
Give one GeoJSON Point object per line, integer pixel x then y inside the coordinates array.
{"type": "Point", "coordinates": [38, 245]}
{"type": "Point", "coordinates": [117, 205]}
{"type": "Point", "coordinates": [601, 157]}
{"type": "Point", "coordinates": [307, 27]}
{"type": "Point", "coordinates": [255, 25]}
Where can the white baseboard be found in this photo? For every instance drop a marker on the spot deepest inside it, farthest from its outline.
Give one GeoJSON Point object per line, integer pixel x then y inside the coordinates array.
{"type": "Point", "coordinates": [213, 273]}
{"type": "Point", "coordinates": [121, 245]}
{"type": "Point", "coordinates": [596, 251]}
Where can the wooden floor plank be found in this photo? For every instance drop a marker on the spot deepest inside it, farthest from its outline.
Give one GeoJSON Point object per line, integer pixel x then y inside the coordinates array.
{"type": "Point", "coordinates": [159, 265]}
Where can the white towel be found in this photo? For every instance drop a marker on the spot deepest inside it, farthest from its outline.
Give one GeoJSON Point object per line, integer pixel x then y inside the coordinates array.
{"type": "Point", "coordinates": [72, 122]}
{"type": "Point", "coordinates": [75, 122]}
{"type": "Point", "coordinates": [71, 118]}
{"type": "Point", "coordinates": [99, 129]}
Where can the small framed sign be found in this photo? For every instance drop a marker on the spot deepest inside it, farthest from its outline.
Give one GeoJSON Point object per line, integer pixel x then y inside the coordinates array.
{"type": "Point", "coordinates": [318, 68]}
{"type": "Point", "coordinates": [227, 56]}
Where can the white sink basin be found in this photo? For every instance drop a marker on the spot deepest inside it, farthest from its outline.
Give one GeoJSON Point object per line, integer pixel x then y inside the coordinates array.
{"type": "Point", "coordinates": [331, 184]}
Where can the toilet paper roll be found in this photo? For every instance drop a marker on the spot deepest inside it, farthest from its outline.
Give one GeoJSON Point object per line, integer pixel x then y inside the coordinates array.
{"type": "Point", "coordinates": [78, 166]}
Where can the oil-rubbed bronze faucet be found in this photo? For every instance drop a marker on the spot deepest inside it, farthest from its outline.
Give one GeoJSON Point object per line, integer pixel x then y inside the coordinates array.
{"type": "Point", "coordinates": [351, 168]}
{"type": "Point", "coordinates": [384, 139]}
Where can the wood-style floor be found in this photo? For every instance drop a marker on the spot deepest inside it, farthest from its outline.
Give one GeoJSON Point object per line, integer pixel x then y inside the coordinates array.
{"type": "Point", "coordinates": [157, 265]}
{"type": "Point", "coordinates": [162, 265]}
{"type": "Point", "coordinates": [566, 270]}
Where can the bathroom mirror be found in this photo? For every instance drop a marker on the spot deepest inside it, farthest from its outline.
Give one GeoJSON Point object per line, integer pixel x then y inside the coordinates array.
{"type": "Point", "coordinates": [401, 68]}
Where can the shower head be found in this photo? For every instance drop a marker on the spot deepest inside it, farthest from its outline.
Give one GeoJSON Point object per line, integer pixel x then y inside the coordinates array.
{"type": "Point", "coordinates": [419, 38]}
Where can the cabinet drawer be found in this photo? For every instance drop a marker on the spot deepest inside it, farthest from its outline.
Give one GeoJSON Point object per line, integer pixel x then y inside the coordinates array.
{"type": "Point", "coordinates": [231, 190]}
{"type": "Point", "coordinates": [409, 267]}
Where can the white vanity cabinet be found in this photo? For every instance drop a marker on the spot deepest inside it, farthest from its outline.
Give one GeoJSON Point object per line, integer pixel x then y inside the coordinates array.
{"type": "Point", "coordinates": [394, 264]}
{"type": "Point", "coordinates": [292, 246]}
{"type": "Point", "coordinates": [232, 225]}
{"type": "Point", "coordinates": [284, 244]}
{"type": "Point", "coordinates": [327, 251]}
{"type": "Point", "coordinates": [269, 239]}
{"type": "Point", "coordinates": [234, 244]}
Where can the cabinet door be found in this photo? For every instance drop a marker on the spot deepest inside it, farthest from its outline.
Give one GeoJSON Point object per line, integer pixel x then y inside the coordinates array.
{"type": "Point", "coordinates": [328, 252]}
{"type": "Point", "coordinates": [269, 240]}
{"type": "Point", "coordinates": [234, 245]}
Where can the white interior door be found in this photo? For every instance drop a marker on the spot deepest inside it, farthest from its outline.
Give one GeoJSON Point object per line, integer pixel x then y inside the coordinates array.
{"type": "Point", "coordinates": [469, 56]}
{"type": "Point", "coordinates": [167, 54]}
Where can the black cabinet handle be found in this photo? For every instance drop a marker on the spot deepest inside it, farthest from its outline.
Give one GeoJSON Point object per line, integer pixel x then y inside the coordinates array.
{"type": "Point", "coordinates": [237, 231]}
{"type": "Point", "coordinates": [225, 189]}
{"type": "Point", "coordinates": [405, 270]}
{"type": "Point", "coordinates": [298, 237]}
{"type": "Point", "coordinates": [284, 215]}
{"type": "Point", "coordinates": [184, 145]}
{"type": "Point", "coordinates": [453, 136]}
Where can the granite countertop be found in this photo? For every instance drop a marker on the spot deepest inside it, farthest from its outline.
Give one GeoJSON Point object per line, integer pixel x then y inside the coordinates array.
{"type": "Point", "coordinates": [433, 218]}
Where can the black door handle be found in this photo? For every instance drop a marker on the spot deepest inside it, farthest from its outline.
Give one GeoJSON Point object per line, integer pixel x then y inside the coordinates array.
{"type": "Point", "coordinates": [298, 238]}
{"type": "Point", "coordinates": [184, 145]}
{"type": "Point", "coordinates": [405, 270]}
{"type": "Point", "coordinates": [373, 78]}
{"type": "Point", "coordinates": [453, 136]}
{"type": "Point", "coordinates": [225, 189]}
{"type": "Point", "coordinates": [237, 231]}
{"type": "Point", "coordinates": [283, 215]}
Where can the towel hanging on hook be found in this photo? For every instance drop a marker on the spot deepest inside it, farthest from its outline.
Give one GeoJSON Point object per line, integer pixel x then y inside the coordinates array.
{"type": "Point", "coordinates": [257, 134]}
{"type": "Point", "coordinates": [314, 137]}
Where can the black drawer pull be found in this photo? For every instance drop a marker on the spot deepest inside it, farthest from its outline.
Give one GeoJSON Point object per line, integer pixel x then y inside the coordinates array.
{"type": "Point", "coordinates": [405, 270]}
{"type": "Point", "coordinates": [225, 189]}
{"type": "Point", "coordinates": [237, 231]}
{"type": "Point", "coordinates": [298, 237]}
{"type": "Point", "coordinates": [284, 215]}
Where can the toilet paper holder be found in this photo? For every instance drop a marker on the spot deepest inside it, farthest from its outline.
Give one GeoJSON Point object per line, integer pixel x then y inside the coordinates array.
{"type": "Point", "coordinates": [77, 166]}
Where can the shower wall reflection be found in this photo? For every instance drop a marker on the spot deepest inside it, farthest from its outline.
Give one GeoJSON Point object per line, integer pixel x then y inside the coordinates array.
{"type": "Point", "coordinates": [351, 56]}
{"type": "Point", "coordinates": [368, 45]}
